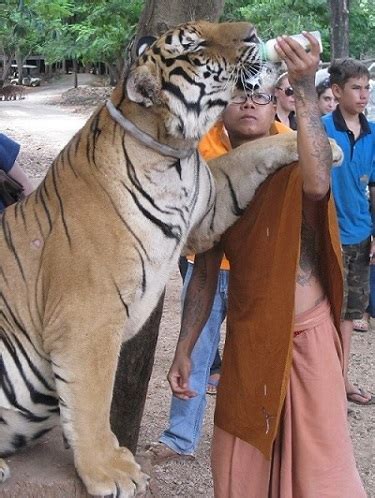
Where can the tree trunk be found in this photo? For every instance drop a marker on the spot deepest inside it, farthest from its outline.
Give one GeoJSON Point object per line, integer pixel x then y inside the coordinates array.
{"type": "Point", "coordinates": [137, 355]}
{"type": "Point", "coordinates": [113, 73]}
{"type": "Point", "coordinates": [19, 62]}
{"type": "Point", "coordinates": [133, 375]}
{"type": "Point", "coordinates": [75, 73]}
{"type": "Point", "coordinates": [7, 64]}
{"type": "Point", "coordinates": [339, 10]}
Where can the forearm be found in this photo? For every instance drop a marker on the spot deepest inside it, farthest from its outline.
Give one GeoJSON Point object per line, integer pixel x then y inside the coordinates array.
{"type": "Point", "coordinates": [313, 146]}
{"type": "Point", "coordinates": [199, 297]}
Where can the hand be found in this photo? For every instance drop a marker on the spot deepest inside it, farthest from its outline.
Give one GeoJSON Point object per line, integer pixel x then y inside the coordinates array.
{"type": "Point", "coordinates": [300, 64]}
{"type": "Point", "coordinates": [178, 377]}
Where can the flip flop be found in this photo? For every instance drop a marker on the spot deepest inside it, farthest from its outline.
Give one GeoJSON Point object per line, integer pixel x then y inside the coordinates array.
{"type": "Point", "coordinates": [360, 393]}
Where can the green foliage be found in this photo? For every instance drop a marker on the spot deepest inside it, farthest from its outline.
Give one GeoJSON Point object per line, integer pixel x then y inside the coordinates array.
{"type": "Point", "coordinates": [19, 30]}
{"type": "Point", "coordinates": [87, 30]}
{"type": "Point", "coordinates": [99, 30]}
{"type": "Point", "coordinates": [362, 28]}
{"type": "Point", "coordinates": [276, 17]}
{"type": "Point", "coordinates": [104, 28]}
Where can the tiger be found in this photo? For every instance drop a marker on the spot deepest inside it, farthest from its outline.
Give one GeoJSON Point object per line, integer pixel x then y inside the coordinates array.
{"type": "Point", "coordinates": [11, 92]}
{"type": "Point", "coordinates": [86, 256]}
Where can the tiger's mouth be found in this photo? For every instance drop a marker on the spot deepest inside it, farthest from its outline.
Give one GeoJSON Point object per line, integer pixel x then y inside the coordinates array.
{"type": "Point", "coordinates": [251, 68]}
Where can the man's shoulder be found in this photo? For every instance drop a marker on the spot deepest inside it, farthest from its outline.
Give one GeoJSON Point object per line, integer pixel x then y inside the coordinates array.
{"type": "Point", "coordinates": [327, 118]}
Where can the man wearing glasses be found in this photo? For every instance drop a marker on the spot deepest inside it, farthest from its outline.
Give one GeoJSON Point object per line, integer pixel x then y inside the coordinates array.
{"type": "Point", "coordinates": [286, 108]}
{"type": "Point", "coordinates": [281, 416]}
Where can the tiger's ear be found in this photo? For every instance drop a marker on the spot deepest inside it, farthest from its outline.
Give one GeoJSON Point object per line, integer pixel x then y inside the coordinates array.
{"type": "Point", "coordinates": [143, 87]}
{"type": "Point", "coordinates": [143, 43]}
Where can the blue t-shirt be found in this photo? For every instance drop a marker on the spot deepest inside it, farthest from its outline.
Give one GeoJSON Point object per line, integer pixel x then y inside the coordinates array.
{"type": "Point", "coordinates": [9, 150]}
{"type": "Point", "coordinates": [350, 181]}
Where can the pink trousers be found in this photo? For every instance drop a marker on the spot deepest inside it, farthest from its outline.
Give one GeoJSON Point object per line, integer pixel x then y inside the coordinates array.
{"type": "Point", "coordinates": [313, 454]}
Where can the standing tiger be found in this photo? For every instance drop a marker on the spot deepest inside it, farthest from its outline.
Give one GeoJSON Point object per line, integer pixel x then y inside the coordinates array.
{"type": "Point", "coordinates": [84, 259]}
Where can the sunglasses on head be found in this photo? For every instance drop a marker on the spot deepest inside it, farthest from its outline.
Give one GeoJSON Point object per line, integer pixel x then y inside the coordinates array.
{"type": "Point", "coordinates": [288, 91]}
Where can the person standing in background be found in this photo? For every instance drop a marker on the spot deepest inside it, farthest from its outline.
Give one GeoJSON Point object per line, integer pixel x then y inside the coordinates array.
{"type": "Point", "coordinates": [326, 99]}
{"type": "Point", "coordinates": [286, 107]}
{"type": "Point", "coordinates": [355, 135]}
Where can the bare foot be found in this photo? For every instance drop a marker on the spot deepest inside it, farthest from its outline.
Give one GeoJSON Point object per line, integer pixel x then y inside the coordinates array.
{"type": "Point", "coordinates": [213, 382]}
{"type": "Point", "coordinates": [359, 396]}
{"type": "Point", "coordinates": [160, 453]}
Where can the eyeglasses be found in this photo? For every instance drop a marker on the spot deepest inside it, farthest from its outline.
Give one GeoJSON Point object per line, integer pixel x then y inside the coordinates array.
{"type": "Point", "coordinates": [256, 97]}
{"type": "Point", "coordinates": [288, 91]}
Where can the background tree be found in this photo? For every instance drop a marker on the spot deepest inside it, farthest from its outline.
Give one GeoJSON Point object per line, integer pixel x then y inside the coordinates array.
{"type": "Point", "coordinates": [137, 355]}
{"type": "Point", "coordinates": [19, 34]}
{"type": "Point", "coordinates": [340, 28]}
{"type": "Point", "coordinates": [97, 32]}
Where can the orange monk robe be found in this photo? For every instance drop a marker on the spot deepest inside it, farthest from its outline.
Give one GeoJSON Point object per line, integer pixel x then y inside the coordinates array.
{"type": "Point", "coordinates": [263, 251]}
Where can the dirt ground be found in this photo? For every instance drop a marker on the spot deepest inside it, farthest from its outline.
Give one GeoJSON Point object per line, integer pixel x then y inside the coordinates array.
{"type": "Point", "coordinates": [43, 123]}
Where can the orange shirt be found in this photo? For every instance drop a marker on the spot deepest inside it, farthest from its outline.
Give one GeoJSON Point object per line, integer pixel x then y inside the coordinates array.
{"type": "Point", "coordinates": [216, 143]}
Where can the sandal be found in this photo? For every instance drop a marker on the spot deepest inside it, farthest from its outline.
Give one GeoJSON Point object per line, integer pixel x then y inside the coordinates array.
{"type": "Point", "coordinates": [360, 325]}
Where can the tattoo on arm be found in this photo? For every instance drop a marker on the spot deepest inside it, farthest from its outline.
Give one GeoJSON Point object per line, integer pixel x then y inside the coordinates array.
{"type": "Point", "coordinates": [320, 150]}
{"type": "Point", "coordinates": [198, 299]}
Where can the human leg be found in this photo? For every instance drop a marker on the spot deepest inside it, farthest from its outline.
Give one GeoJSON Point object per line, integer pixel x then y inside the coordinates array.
{"type": "Point", "coordinates": [356, 292]}
{"type": "Point", "coordinates": [239, 469]}
{"type": "Point", "coordinates": [216, 364]}
{"type": "Point", "coordinates": [213, 379]}
{"type": "Point", "coordinates": [313, 454]}
{"type": "Point", "coordinates": [371, 307]}
{"type": "Point", "coordinates": [186, 416]}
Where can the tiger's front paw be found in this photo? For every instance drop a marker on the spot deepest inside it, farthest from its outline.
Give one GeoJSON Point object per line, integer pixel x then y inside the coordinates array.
{"type": "Point", "coordinates": [116, 475]}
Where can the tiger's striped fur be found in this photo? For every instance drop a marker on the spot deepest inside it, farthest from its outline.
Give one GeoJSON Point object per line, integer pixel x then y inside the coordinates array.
{"type": "Point", "coordinates": [84, 259]}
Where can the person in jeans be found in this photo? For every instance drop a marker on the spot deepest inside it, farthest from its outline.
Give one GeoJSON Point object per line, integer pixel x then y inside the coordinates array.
{"type": "Point", "coordinates": [182, 435]}
{"type": "Point", "coordinates": [355, 135]}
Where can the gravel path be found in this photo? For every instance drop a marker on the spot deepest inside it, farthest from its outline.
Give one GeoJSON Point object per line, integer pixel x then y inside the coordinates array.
{"type": "Point", "coordinates": [43, 127]}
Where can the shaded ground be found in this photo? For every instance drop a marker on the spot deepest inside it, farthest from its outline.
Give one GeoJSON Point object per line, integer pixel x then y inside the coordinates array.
{"type": "Point", "coordinates": [43, 123]}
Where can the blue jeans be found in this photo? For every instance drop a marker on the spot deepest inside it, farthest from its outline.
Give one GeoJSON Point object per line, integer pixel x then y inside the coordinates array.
{"type": "Point", "coordinates": [186, 416]}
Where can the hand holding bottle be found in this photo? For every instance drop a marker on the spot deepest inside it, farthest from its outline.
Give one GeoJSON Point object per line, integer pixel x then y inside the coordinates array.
{"type": "Point", "coordinates": [301, 65]}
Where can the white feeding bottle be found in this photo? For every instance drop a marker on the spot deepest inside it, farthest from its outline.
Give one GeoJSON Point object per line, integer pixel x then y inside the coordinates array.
{"type": "Point", "coordinates": [268, 52]}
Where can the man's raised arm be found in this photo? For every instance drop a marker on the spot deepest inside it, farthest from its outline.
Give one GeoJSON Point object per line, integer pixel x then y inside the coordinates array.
{"type": "Point", "coordinates": [314, 149]}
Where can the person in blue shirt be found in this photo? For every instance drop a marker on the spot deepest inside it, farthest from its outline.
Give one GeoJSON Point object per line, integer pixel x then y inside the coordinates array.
{"type": "Point", "coordinates": [9, 150]}
{"type": "Point", "coordinates": [351, 184]}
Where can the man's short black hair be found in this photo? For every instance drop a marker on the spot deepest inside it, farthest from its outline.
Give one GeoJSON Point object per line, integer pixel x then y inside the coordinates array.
{"type": "Point", "coordinates": [341, 70]}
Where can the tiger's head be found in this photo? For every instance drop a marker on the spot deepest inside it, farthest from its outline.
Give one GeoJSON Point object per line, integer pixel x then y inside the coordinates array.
{"type": "Point", "coordinates": [189, 74]}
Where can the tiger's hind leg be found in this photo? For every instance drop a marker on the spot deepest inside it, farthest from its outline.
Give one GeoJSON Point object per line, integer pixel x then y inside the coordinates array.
{"type": "Point", "coordinates": [4, 470]}
{"type": "Point", "coordinates": [85, 362]}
